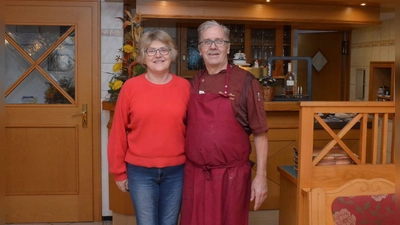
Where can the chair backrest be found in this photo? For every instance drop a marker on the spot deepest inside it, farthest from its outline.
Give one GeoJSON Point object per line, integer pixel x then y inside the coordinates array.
{"type": "Point", "coordinates": [373, 199]}
{"type": "Point", "coordinates": [364, 209]}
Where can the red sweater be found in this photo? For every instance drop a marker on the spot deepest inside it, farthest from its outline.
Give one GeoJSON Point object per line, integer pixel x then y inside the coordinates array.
{"type": "Point", "coordinates": [149, 125]}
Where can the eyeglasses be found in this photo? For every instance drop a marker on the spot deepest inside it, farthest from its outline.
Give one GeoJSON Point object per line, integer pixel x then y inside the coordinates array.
{"type": "Point", "coordinates": [153, 51]}
{"type": "Point", "coordinates": [217, 42]}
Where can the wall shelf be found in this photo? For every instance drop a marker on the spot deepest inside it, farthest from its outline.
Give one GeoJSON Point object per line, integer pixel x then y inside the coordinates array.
{"type": "Point", "coordinates": [381, 75]}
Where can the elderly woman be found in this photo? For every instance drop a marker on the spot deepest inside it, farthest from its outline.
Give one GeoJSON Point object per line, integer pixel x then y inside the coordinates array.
{"type": "Point", "coordinates": [146, 142]}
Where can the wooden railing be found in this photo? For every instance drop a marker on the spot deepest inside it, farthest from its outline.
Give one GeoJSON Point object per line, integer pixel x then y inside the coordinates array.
{"type": "Point", "coordinates": [370, 154]}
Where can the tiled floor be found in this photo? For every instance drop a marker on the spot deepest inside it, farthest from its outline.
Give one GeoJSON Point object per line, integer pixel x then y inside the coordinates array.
{"type": "Point", "coordinates": [108, 222]}
{"type": "Point", "coordinates": [270, 217]}
{"type": "Point", "coordinates": [264, 217]}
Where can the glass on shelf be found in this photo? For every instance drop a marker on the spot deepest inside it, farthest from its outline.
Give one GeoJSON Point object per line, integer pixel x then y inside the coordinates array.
{"type": "Point", "coordinates": [265, 53]}
{"type": "Point", "coordinates": [268, 36]}
{"type": "Point", "coordinates": [236, 33]}
{"type": "Point", "coordinates": [286, 35]}
{"type": "Point", "coordinates": [259, 53]}
{"type": "Point", "coordinates": [256, 36]}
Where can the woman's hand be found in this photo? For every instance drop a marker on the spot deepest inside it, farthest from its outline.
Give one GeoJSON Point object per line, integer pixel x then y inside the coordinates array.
{"type": "Point", "coordinates": [123, 185]}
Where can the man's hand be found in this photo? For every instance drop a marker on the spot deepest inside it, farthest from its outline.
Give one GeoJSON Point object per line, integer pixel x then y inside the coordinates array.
{"type": "Point", "coordinates": [123, 185]}
{"type": "Point", "coordinates": [259, 190]}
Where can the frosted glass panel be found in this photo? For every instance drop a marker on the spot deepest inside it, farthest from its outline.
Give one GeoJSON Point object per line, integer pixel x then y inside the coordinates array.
{"type": "Point", "coordinates": [36, 89]}
{"type": "Point", "coordinates": [16, 65]}
{"type": "Point", "coordinates": [35, 40]}
{"type": "Point", "coordinates": [50, 57]}
{"type": "Point", "coordinates": [61, 62]}
{"type": "Point", "coordinates": [33, 86]}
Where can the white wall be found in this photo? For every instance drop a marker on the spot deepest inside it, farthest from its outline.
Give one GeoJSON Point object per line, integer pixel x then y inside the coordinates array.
{"type": "Point", "coordinates": [374, 43]}
{"type": "Point", "coordinates": [111, 42]}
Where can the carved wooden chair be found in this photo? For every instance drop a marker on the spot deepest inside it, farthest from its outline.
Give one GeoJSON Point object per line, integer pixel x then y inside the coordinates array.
{"type": "Point", "coordinates": [358, 201]}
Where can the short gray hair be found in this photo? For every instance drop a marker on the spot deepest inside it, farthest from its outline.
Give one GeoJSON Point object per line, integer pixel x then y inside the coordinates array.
{"type": "Point", "coordinates": [157, 35]}
{"type": "Point", "coordinates": [211, 23]}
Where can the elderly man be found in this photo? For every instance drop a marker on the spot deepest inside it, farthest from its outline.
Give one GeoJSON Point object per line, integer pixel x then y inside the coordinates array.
{"type": "Point", "coordinates": [225, 107]}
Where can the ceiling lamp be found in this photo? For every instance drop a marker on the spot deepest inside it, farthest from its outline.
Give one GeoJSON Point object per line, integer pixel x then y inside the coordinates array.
{"type": "Point", "coordinates": [363, 4]}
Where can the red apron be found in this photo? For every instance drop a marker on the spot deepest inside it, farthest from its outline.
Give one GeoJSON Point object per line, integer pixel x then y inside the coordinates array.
{"type": "Point", "coordinates": [216, 188]}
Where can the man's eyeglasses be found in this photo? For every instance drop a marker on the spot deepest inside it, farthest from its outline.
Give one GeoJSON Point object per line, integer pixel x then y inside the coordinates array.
{"type": "Point", "coordinates": [217, 42]}
{"type": "Point", "coordinates": [153, 51]}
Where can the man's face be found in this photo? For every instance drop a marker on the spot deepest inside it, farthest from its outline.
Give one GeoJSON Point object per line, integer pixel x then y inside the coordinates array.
{"type": "Point", "coordinates": [214, 55]}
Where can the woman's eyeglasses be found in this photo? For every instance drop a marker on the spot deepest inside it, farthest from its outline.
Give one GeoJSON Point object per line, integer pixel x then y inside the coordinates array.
{"type": "Point", "coordinates": [153, 51]}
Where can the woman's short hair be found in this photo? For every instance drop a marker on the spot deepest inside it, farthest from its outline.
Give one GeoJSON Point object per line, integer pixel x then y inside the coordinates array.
{"type": "Point", "coordinates": [156, 35]}
{"type": "Point", "coordinates": [211, 23]}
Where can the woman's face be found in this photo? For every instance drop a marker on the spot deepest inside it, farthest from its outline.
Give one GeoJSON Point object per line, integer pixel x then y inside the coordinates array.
{"type": "Point", "coordinates": [158, 57]}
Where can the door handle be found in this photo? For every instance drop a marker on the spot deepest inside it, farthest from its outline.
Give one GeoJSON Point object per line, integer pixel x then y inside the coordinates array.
{"type": "Point", "coordinates": [83, 114]}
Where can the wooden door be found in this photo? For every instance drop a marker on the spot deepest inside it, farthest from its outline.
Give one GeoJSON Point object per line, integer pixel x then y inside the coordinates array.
{"type": "Point", "coordinates": [52, 145]}
{"type": "Point", "coordinates": [326, 83]}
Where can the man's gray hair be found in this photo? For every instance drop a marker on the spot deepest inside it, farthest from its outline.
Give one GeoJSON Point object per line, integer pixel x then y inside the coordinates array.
{"type": "Point", "coordinates": [211, 23]}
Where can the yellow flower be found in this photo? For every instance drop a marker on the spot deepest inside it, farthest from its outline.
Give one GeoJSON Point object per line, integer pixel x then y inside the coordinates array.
{"type": "Point", "coordinates": [117, 67]}
{"type": "Point", "coordinates": [133, 55]}
{"type": "Point", "coordinates": [128, 48]}
{"type": "Point", "coordinates": [116, 84]}
{"type": "Point", "coordinates": [126, 66]}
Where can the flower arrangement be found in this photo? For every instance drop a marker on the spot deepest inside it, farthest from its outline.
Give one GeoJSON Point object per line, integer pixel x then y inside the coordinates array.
{"type": "Point", "coordinates": [267, 85]}
{"type": "Point", "coordinates": [267, 81]}
{"type": "Point", "coordinates": [126, 66]}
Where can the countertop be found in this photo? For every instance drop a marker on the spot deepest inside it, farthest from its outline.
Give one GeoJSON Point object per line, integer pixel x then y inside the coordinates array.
{"type": "Point", "coordinates": [281, 106]}
{"type": "Point", "coordinates": [295, 106]}
{"type": "Point", "coordinates": [289, 172]}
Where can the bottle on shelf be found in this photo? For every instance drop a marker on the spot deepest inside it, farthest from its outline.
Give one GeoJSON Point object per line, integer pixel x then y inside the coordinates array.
{"type": "Point", "coordinates": [256, 65]}
{"type": "Point", "coordinates": [289, 82]}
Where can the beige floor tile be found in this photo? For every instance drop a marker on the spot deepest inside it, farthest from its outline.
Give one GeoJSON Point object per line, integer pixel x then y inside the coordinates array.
{"type": "Point", "coordinates": [263, 217]}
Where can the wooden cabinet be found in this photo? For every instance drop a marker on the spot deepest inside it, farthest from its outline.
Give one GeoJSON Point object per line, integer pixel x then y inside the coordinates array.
{"type": "Point", "coordinates": [189, 59]}
{"type": "Point", "coordinates": [257, 42]}
{"type": "Point", "coordinates": [268, 42]}
{"type": "Point", "coordinates": [237, 39]}
{"type": "Point", "coordinates": [381, 83]}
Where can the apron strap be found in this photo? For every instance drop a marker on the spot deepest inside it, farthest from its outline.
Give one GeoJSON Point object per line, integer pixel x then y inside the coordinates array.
{"type": "Point", "coordinates": [207, 168]}
{"type": "Point", "coordinates": [225, 92]}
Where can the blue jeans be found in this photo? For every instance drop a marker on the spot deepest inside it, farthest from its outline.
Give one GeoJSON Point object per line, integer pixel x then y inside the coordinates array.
{"type": "Point", "coordinates": [156, 194]}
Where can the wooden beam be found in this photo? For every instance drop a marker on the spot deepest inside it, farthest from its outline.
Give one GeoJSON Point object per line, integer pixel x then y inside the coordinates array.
{"type": "Point", "coordinates": [243, 11]}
